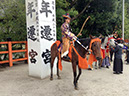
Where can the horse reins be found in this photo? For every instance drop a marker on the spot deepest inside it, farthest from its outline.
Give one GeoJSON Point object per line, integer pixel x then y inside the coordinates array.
{"type": "Point", "coordinates": [91, 42]}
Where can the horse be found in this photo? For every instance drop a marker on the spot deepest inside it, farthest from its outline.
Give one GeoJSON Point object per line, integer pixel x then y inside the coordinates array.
{"type": "Point", "coordinates": [95, 47]}
{"type": "Point", "coordinates": [104, 41]}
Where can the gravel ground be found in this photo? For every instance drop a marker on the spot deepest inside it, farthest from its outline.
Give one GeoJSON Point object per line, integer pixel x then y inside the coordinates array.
{"type": "Point", "coordinates": [15, 81]}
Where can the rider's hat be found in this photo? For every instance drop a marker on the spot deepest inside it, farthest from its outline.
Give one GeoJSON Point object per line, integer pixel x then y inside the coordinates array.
{"type": "Point", "coordinates": [67, 16]}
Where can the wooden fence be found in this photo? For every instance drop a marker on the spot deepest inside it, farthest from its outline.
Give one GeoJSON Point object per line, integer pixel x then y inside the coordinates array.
{"type": "Point", "coordinates": [10, 52]}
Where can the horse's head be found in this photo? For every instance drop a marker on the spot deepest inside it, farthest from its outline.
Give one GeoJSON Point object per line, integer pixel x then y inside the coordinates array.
{"type": "Point", "coordinates": [107, 40]}
{"type": "Point", "coordinates": [111, 40]}
{"type": "Point", "coordinates": [95, 45]}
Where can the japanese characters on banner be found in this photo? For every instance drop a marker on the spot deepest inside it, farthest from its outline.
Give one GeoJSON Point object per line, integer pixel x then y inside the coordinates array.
{"type": "Point", "coordinates": [41, 34]}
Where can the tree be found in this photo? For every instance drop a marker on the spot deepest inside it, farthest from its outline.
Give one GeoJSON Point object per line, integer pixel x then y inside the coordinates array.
{"type": "Point", "coordinates": [69, 6]}
{"type": "Point", "coordinates": [106, 16]}
{"type": "Point", "coordinates": [13, 20]}
{"type": "Point", "coordinates": [126, 19]}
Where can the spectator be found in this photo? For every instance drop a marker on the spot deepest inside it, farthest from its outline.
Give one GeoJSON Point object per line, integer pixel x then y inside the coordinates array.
{"type": "Point", "coordinates": [106, 61]}
{"type": "Point", "coordinates": [127, 52]}
{"type": "Point", "coordinates": [118, 63]}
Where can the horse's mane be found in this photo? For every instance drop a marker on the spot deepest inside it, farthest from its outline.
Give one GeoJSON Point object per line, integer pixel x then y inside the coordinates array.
{"type": "Point", "coordinates": [85, 41]}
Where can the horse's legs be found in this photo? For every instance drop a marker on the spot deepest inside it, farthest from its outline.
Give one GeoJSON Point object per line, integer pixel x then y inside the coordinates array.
{"type": "Point", "coordinates": [91, 66]}
{"type": "Point", "coordinates": [95, 65]}
{"type": "Point", "coordinates": [80, 71]}
{"type": "Point", "coordinates": [51, 65]}
{"type": "Point", "coordinates": [100, 63]}
{"type": "Point", "coordinates": [58, 71]}
{"type": "Point", "coordinates": [53, 56]}
{"type": "Point", "coordinates": [74, 73]}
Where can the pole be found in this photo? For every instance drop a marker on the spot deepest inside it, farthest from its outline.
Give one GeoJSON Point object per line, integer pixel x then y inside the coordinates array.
{"type": "Point", "coordinates": [123, 21]}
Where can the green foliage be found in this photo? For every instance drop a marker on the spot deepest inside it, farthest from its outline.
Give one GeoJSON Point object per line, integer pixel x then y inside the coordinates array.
{"type": "Point", "coordinates": [126, 19]}
{"type": "Point", "coordinates": [106, 16]}
{"type": "Point", "coordinates": [103, 16]}
{"type": "Point", "coordinates": [13, 20]}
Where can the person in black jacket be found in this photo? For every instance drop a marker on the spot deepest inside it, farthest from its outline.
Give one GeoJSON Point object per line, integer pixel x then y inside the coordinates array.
{"type": "Point", "coordinates": [118, 63]}
{"type": "Point", "coordinates": [111, 55]}
{"type": "Point", "coordinates": [127, 54]}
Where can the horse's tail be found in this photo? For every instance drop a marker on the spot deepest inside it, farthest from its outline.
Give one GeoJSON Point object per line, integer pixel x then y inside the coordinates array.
{"type": "Point", "coordinates": [54, 51]}
{"type": "Point", "coordinates": [54, 54]}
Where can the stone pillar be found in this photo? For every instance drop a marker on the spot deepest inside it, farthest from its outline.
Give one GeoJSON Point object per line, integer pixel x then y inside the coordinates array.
{"type": "Point", "coordinates": [41, 34]}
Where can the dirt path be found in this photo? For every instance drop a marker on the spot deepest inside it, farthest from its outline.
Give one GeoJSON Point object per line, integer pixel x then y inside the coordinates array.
{"type": "Point", "coordinates": [102, 82]}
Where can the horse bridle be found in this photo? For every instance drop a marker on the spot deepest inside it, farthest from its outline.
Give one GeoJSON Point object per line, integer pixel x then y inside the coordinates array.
{"type": "Point", "coordinates": [92, 41]}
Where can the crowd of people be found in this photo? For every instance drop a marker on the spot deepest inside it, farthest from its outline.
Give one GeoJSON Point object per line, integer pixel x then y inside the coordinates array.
{"type": "Point", "coordinates": [117, 50]}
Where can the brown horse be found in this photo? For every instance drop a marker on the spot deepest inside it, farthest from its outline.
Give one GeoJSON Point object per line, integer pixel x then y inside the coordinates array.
{"type": "Point", "coordinates": [95, 47]}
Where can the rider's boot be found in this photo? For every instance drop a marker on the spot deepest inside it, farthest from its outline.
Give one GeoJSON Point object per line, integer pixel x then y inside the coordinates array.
{"type": "Point", "coordinates": [65, 55]}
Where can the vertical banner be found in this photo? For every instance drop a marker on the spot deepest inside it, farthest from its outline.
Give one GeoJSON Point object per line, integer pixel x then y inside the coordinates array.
{"type": "Point", "coordinates": [41, 34]}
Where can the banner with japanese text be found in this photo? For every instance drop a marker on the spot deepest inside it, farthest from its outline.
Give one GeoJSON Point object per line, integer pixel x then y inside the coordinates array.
{"type": "Point", "coordinates": [41, 34]}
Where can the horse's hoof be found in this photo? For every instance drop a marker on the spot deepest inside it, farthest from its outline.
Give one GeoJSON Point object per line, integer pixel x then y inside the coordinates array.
{"type": "Point", "coordinates": [95, 68]}
{"type": "Point", "coordinates": [51, 78]}
{"type": "Point", "coordinates": [59, 77]}
{"type": "Point", "coordinates": [90, 69]}
{"type": "Point", "coordinates": [76, 88]}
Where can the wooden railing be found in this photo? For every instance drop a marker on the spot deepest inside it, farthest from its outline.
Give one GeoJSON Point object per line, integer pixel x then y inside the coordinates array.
{"type": "Point", "coordinates": [10, 52]}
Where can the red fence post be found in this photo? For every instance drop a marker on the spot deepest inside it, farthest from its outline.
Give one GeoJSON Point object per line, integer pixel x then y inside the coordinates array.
{"type": "Point", "coordinates": [26, 54]}
{"type": "Point", "coordinates": [10, 53]}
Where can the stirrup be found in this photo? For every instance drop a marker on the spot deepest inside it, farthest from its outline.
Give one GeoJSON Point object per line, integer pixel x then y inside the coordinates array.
{"type": "Point", "coordinates": [66, 58]}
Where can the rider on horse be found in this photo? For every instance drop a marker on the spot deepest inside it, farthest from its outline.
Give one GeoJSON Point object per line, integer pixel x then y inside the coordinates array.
{"type": "Point", "coordinates": [67, 35]}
